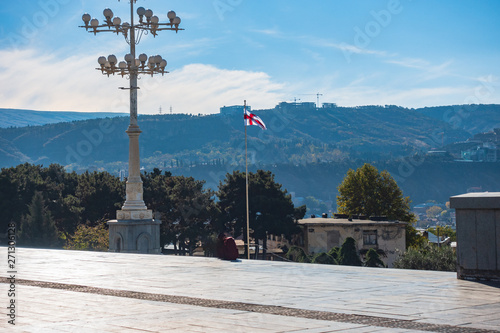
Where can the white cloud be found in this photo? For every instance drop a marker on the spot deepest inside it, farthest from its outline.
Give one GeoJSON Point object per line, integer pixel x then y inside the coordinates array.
{"type": "Point", "coordinates": [49, 82]}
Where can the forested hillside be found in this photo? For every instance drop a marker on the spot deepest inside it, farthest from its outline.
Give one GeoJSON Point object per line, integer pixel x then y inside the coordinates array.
{"type": "Point", "coordinates": [309, 150]}
{"type": "Point", "coordinates": [294, 136]}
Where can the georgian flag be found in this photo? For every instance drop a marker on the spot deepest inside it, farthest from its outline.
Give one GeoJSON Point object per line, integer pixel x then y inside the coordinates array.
{"type": "Point", "coordinates": [251, 119]}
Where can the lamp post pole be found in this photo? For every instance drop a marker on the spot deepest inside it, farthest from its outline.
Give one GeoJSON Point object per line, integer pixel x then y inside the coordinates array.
{"type": "Point", "coordinates": [134, 230]}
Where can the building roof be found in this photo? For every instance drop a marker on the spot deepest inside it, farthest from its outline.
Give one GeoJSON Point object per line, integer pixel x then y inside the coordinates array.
{"type": "Point", "coordinates": [321, 221]}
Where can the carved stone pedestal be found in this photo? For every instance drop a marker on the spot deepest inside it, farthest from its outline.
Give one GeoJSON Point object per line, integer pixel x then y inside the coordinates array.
{"type": "Point", "coordinates": [134, 232]}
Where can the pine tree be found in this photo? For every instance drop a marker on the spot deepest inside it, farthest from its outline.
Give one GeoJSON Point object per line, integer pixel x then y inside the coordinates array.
{"type": "Point", "coordinates": [37, 227]}
{"type": "Point", "coordinates": [373, 259]}
{"type": "Point", "coordinates": [348, 253]}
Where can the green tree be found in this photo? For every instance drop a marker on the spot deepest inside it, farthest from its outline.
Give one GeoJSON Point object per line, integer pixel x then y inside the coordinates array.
{"type": "Point", "coordinates": [373, 259]}
{"type": "Point", "coordinates": [444, 231]}
{"type": "Point", "coordinates": [89, 238]}
{"type": "Point", "coordinates": [348, 254]}
{"type": "Point", "coordinates": [186, 209]}
{"type": "Point", "coordinates": [100, 194]}
{"type": "Point", "coordinates": [37, 228]}
{"type": "Point", "coordinates": [433, 211]}
{"type": "Point", "coordinates": [271, 210]}
{"type": "Point", "coordinates": [367, 191]}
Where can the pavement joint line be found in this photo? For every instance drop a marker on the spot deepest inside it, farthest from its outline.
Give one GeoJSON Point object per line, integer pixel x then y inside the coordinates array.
{"type": "Point", "coordinates": [257, 308]}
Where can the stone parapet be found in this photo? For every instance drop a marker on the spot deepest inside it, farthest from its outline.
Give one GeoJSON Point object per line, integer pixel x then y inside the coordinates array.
{"type": "Point", "coordinates": [478, 235]}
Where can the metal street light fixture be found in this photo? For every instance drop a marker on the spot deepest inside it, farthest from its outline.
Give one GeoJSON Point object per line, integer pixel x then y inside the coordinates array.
{"type": "Point", "coordinates": [134, 208]}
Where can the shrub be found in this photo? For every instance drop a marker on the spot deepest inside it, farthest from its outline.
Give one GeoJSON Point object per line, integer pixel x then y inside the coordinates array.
{"type": "Point", "coordinates": [324, 258]}
{"type": "Point", "coordinates": [428, 257]}
{"type": "Point", "coordinates": [297, 254]}
{"type": "Point", "coordinates": [90, 238]}
{"type": "Point", "coordinates": [348, 253]}
{"type": "Point", "coordinates": [373, 259]}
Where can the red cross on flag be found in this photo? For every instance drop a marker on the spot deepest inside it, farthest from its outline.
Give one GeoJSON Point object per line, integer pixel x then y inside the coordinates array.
{"type": "Point", "coordinates": [251, 119]}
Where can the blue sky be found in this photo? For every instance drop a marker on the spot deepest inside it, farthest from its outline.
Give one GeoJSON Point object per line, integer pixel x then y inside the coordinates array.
{"type": "Point", "coordinates": [412, 53]}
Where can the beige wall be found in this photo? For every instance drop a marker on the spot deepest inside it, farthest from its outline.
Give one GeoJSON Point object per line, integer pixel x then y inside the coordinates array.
{"type": "Point", "coordinates": [390, 238]}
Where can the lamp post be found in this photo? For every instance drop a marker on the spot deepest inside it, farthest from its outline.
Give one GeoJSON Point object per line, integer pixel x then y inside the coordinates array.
{"type": "Point", "coordinates": [134, 230]}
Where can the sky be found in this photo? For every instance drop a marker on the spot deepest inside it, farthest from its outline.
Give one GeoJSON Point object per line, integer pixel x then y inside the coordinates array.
{"type": "Point", "coordinates": [410, 53]}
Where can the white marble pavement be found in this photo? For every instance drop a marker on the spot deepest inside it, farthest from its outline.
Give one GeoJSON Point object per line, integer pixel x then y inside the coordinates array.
{"type": "Point", "coordinates": [408, 300]}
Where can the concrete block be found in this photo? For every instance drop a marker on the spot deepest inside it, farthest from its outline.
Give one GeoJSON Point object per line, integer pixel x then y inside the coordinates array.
{"type": "Point", "coordinates": [485, 239]}
{"type": "Point", "coordinates": [466, 238]}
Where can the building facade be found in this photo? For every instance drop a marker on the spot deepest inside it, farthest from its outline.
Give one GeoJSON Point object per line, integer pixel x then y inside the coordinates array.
{"type": "Point", "coordinates": [386, 237]}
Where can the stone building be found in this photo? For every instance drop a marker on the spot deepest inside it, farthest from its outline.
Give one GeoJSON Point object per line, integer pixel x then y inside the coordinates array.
{"type": "Point", "coordinates": [320, 234]}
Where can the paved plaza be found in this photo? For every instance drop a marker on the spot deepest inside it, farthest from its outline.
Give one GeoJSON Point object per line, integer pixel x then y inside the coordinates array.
{"type": "Point", "coordinates": [75, 291]}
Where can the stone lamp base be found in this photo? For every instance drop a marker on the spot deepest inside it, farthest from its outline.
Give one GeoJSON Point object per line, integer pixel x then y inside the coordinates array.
{"type": "Point", "coordinates": [134, 232]}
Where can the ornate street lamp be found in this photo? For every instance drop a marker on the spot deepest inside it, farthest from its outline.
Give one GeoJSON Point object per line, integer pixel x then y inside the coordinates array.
{"type": "Point", "coordinates": [134, 230]}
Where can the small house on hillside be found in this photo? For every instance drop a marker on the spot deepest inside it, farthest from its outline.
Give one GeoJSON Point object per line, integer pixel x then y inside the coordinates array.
{"type": "Point", "coordinates": [321, 234]}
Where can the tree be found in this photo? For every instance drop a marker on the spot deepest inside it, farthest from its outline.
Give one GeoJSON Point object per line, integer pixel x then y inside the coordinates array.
{"type": "Point", "coordinates": [271, 208]}
{"type": "Point", "coordinates": [37, 227]}
{"type": "Point", "coordinates": [373, 259]}
{"type": "Point", "coordinates": [433, 211]}
{"type": "Point", "coordinates": [368, 192]}
{"type": "Point", "coordinates": [444, 231]}
{"type": "Point", "coordinates": [348, 253]}
{"type": "Point", "coordinates": [186, 209]}
{"type": "Point", "coordinates": [89, 238]}
{"type": "Point", "coordinates": [100, 194]}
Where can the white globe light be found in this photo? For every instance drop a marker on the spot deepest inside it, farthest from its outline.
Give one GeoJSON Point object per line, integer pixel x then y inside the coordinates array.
{"type": "Point", "coordinates": [101, 60]}
{"type": "Point", "coordinates": [86, 18]}
{"type": "Point", "coordinates": [122, 65]}
{"type": "Point", "coordinates": [143, 57]}
{"type": "Point", "coordinates": [94, 23]}
{"type": "Point", "coordinates": [148, 13]}
{"type": "Point", "coordinates": [158, 59]}
{"type": "Point", "coordinates": [177, 20]}
{"type": "Point", "coordinates": [163, 63]}
{"type": "Point", "coordinates": [108, 13]}
{"type": "Point", "coordinates": [171, 15]}
{"type": "Point", "coordinates": [155, 19]}
{"type": "Point", "coordinates": [112, 59]}
{"type": "Point", "coordinates": [141, 11]}
{"type": "Point", "coordinates": [129, 57]}
{"type": "Point", "coordinates": [117, 21]}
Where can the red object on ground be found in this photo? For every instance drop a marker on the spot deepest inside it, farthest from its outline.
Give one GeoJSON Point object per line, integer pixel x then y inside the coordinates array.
{"type": "Point", "coordinates": [226, 248]}
{"type": "Point", "coordinates": [230, 249]}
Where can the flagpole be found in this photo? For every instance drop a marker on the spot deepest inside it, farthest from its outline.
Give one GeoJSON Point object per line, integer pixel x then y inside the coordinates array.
{"type": "Point", "coordinates": [246, 179]}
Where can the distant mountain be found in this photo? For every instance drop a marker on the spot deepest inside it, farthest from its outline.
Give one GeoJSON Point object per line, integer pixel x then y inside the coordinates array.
{"type": "Point", "coordinates": [295, 135]}
{"type": "Point", "coordinates": [21, 118]}
{"type": "Point", "coordinates": [308, 149]}
{"type": "Point", "coordinates": [474, 118]}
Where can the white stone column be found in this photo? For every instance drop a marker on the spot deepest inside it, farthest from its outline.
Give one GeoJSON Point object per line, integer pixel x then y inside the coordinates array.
{"type": "Point", "coordinates": [134, 230]}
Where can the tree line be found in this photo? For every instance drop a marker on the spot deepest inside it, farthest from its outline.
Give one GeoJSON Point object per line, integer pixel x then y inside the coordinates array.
{"type": "Point", "coordinates": [55, 208]}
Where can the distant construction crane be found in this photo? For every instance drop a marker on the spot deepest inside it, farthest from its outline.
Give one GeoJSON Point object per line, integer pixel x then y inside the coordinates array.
{"type": "Point", "coordinates": [317, 97]}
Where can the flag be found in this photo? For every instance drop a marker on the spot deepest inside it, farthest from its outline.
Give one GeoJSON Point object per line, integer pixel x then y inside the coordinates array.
{"type": "Point", "coordinates": [251, 119]}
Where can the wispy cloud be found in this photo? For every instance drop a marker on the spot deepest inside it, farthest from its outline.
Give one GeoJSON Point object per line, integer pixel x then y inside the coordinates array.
{"type": "Point", "coordinates": [268, 32]}
{"type": "Point", "coordinates": [72, 84]}
{"type": "Point", "coordinates": [428, 71]}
